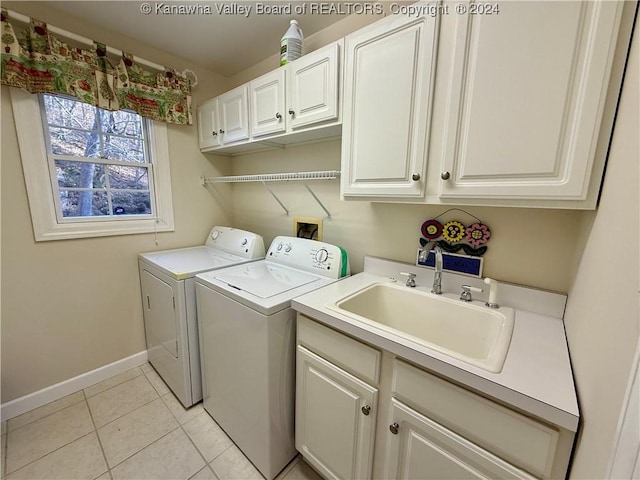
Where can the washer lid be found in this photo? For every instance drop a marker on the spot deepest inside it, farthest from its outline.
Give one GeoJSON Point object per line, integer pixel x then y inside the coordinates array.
{"type": "Point", "coordinates": [265, 280]}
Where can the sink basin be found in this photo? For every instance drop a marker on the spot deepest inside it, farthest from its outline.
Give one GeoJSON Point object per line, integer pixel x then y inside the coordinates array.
{"type": "Point", "coordinates": [468, 331]}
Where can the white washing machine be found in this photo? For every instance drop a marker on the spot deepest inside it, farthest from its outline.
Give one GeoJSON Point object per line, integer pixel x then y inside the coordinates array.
{"type": "Point", "coordinates": [247, 344]}
{"type": "Point", "coordinates": [167, 280]}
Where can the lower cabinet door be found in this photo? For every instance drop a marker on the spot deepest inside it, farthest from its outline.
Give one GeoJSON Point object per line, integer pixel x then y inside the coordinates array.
{"type": "Point", "coordinates": [335, 418]}
{"type": "Point", "coordinates": [419, 448]}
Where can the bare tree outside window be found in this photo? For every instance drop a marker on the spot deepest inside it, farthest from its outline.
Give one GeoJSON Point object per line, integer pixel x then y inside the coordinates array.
{"type": "Point", "coordinates": [100, 160]}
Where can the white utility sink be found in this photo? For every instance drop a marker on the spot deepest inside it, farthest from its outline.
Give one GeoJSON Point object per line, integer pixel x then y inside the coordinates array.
{"type": "Point", "coordinates": [468, 331]}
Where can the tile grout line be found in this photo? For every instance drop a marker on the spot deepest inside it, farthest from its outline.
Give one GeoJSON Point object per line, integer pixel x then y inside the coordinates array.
{"type": "Point", "coordinates": [95, 429]}
{"type": "Point", "coordinates": [49, 453]}
{"type": "Point", "coordinates": [181, 426]}
{"type": "Point", "coordinates": [138, 451]}
{"type": "Point", "coordinates": [52, 451]}
{"type": "Point", "coordinates": [44, 416]}
{"type": "Point", "coordinates": [206, 463]}
{"type": "Point", "coordinates": [159, 397]}
{"type": "Point", "coordinates": [84, 398]}
{"type": "Point", "coordinates": [143, 448]}
{"type": "Point", "coordinates": [112, 386]}
{"type": "Point", "coordinates": [140, 406]}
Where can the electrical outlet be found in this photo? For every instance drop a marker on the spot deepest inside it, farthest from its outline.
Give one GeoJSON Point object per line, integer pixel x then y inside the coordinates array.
{"type": "Point", "coordinates": [307, 227]}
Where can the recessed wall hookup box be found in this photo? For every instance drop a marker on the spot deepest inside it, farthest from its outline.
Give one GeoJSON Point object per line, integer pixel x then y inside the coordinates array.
{"type": "Point", "coordinates": [307, 227]}
{"type": "Point", "coordinates": [453, 262]}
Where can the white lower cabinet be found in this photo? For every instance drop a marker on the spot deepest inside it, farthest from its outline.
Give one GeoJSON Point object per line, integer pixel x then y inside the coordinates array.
{"type": "Point", "coordinates": [419, 448]}
{"type": "Point", "coordinates": [363, 413]}
{"type": "Point", "coordinates": [335, 418]}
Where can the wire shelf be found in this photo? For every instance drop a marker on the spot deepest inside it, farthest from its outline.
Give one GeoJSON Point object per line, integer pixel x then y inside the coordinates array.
{"type": "Point", "coordinates": [274, 177]}
{"type": "Point", "coordinates": [278, 177]}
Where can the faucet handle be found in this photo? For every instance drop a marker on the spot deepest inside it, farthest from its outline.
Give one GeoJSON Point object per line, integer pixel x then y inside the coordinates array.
{"type": "Point", "coordinates": [411, 278]}
{"type": "Point", "coordinates": [466, 292]}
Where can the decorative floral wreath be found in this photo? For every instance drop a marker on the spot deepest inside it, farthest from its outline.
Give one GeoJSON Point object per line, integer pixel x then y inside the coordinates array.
{"type": "Point", "coordinates": [454, 236]}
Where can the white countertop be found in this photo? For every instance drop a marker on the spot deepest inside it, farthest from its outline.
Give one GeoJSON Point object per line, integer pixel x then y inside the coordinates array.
{"type": "Point", "coordinates": [536, 376]}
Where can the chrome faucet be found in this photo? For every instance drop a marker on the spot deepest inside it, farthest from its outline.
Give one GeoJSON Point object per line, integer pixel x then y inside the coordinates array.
{"type": "Point", "coordinates": [437, 274]}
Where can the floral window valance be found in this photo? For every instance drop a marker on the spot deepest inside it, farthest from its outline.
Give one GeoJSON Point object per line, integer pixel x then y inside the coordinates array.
{"type": "Point", "coordinates": [38, 62]}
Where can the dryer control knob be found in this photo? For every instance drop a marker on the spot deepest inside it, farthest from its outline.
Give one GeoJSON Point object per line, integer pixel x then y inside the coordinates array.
{"type": "Point", "coordinates": [288, 249]}
{"type": "Point", "coordinates": [279, 247]}
{"type": "Point", "coordinates": [215, 234]}
{"type": "Point", "coordinates": [244, 242]}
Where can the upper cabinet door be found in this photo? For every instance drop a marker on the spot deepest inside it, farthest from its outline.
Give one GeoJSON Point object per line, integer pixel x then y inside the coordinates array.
{"type": "Point", "coordinates": [208, 135]}
{"type": "Point", "coordinates": [313, 87]}
{"type": "Point", "coordinates": [234, 115]}
{"type": "Point", "coordinates": [387, 108]}
{"type": "Point", "coordinates": [526, 99]}
{"type": "Point", "coordinates": [267, 104]}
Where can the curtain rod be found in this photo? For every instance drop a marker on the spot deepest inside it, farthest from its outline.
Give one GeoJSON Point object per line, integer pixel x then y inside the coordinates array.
{"type": "Point", "coordinates": [84, 40]}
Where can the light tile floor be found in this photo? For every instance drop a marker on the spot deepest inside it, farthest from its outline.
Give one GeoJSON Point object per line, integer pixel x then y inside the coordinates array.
{"type": "Point", "coordinates": [127, 427]}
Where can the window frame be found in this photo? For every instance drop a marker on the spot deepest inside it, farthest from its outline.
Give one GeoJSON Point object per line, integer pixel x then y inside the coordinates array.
{"type": "Point", "coordinates": [41, 191]}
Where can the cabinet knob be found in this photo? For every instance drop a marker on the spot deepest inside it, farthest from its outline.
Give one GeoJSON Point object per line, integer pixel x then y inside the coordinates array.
{"type": "Point", "coordinates": [292, 112]}
{"type": "Point", "coordinates": [445, 175]}
{"type": "Point", "coordinates": [278, 116]}
{"type": "Point", "coordinates": [221, 132]}
{"type": "Point", "coordinates": [415, 177]}
{"type": "Point", "coordinates": [366, 410]}
{"type": "Point", "coordinates": [394, 428]}
{"type": "Point", "coordinates": [214, 133]}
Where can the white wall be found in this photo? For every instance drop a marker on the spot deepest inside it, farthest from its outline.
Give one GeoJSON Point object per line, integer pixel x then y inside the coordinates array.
{"type": "Point", "coordinates": [602, 317]}
{"type": "Point", "coordinates": [71, 306]}
{"type": "Point", "coordinates": [528, 246]}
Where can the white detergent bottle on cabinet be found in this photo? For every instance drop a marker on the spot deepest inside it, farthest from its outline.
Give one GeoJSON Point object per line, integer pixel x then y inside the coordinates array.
{"type": "Point", "coordinates": [291, 44]}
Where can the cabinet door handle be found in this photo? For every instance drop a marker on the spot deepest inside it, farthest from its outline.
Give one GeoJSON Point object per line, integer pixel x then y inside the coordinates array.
{"type": "Point", "coordinates": [292, 112]}
{"type": "Point", "coordinates": [214, 133]}
{"type": "Point", "coordinates": [366, 410]}
{"type": "Point", "coordinates": [415, 177]}
{"type": "Point", "coordinates": [278, 116]}
{"type": "Point", "coordinates": [445, 175]}
{"type": "Point", "coordinates": [148, 303]}
{"type": "Point", "coordinates": [394, 428]}
{"type": "Point", "coordinates": [221, 132]}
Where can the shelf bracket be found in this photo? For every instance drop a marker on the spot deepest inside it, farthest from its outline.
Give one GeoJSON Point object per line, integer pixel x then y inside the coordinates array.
{"type": "Point", "coordinates": [315, 197]}
{"type": "Point", "coordinates": [264, 184]}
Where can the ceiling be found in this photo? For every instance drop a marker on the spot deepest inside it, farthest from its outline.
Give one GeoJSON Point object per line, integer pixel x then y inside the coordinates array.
{"type": "Point", "coordinates": [226, 42]}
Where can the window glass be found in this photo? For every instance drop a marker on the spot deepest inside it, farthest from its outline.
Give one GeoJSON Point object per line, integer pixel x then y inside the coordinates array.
{"type": "Point", "coordinates": [100, 159]}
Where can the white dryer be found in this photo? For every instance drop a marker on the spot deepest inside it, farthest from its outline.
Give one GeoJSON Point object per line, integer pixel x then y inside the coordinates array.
{"type": "Point", "coordinates": [247, 340]}
{"type": "Point", "coordinates": [167, 280]}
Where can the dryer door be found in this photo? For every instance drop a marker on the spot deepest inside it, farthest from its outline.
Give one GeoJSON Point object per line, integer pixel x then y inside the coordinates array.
{"type": "Point", "coordinates": [160, 315]}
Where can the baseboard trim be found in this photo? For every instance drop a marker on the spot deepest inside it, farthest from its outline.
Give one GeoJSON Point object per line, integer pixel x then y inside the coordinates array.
{"type": "Point", "coordinates": [33, 400]}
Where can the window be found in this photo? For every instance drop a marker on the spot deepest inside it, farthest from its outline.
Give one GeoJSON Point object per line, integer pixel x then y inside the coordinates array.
{"type": "Point", "coordinates": [91, 172]}
{"type": "Point", "coordinates": [100, 160]}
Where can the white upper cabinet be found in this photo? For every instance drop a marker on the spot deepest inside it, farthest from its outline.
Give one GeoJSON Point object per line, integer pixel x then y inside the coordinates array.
{"type": "Point", "coordinates": [525, 101]}
{"type": "Point", "coordinates": [313, 87]}
{"type": "Point", "coordinates": [208, 136]}
{"type": "Point", "coordinates": [223, 120]}
{"type": "Point", "coordinates": [267, 104]}
{"type": "Point", "coordinates": [233, 115]}
{"type": "Point", "coordinates": [389, 69]}
{"type": "Point", "coordinates": [296, 103]}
